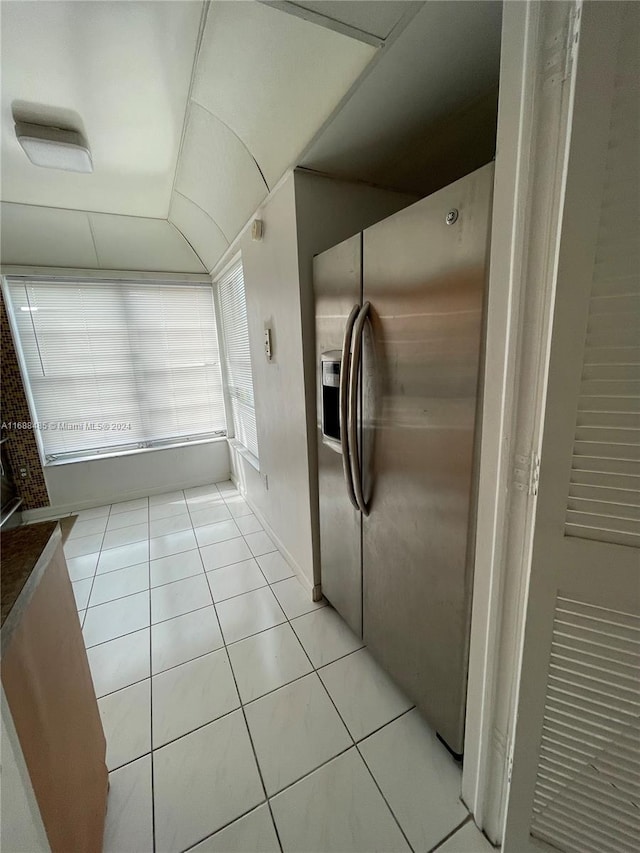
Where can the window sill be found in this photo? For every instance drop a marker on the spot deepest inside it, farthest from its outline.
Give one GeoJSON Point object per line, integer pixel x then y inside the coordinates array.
{"type": "Point", "coordinates": [246, 454]}
{"type": "Point", "coordinates": [72, 460]}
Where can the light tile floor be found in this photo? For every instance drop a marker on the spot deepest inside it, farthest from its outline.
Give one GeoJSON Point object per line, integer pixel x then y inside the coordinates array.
{"type": "Point", "coordinates": [239, 714]}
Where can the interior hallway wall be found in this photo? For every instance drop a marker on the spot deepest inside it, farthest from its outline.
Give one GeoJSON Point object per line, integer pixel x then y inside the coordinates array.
{"type": "Point", "coordinates": [273, 299]}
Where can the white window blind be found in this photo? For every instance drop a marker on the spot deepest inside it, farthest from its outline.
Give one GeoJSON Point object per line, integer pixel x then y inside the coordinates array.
{"type": "Point", "coordinates": [235, 330]}
{"type": "Point", "coordinates": [117, 365]}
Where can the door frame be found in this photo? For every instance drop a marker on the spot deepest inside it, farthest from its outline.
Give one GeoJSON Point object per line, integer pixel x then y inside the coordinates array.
{"type": "Point", "coordinates": [539, 41]}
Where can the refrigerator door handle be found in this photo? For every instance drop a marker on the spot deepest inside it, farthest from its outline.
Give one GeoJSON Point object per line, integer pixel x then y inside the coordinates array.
{"type": "Point", "coordinates": [352, 416]}
{"type": "Point", "coordinates": [344, 404]}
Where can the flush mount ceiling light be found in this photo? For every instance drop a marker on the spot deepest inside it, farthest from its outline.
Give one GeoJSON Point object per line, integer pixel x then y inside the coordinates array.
{"type": "Point", "coordinates": [53, 147]}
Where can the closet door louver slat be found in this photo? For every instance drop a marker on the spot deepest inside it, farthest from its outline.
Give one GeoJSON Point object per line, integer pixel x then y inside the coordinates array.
{"type": "Point", "coordinates": [587, 794]}
{"type": "Point", "coordinates": [607, 436]}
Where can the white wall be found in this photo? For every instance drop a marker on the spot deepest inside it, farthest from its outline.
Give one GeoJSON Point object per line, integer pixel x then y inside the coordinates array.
{"type": "Point", "coordinates": [306, 215]}
{"type": "Point", "coordinates": [21, 826]}
{"type": "Point", "coordinates": [99, 481]}
{"type": "Point", "coordinates": [273, 298]}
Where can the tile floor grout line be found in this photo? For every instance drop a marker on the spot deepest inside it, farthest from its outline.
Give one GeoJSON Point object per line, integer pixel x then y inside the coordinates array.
{"type": "Point", "coordinates": [235, 563]}
{"type": "Point", "coordinates": [311, 772]}
{"type": "Point", "coordinates": [156, 559]}
{"type": "Point", "coordinates": [196, 728]}
{"type": "Point", "coordinates": [275, 689]}
{"type": "Point", "coordinates": [124, 687]}
{"type": "Point", "coordinates": [353, 741]}
{"type": "Point", "coordinates": [186, 613]}
{"type": "Point", "coordinates": [198, 547]}
{"type": "Point", "coordinates": [119, 597]}
{"type": "Point", "coordinates": [267, 796]}
{"type": "Point", "coordinates": [314, 669]}
{"type": "Point", "coordinates": [342, 657]}
{"type": "Point", "coordinates": [468, 818]}
{"type": "Point", "coordinates": [355, 744]}
{"type": "Point", "coordinates": [127, 633]}
{"type": "Point", "coordinates": [232, 643]}
{"type": "Point", "coordinates": [153, 791]}
{"type": "Point", "coordinates": [213, 651]}
{"type": "Point", "coordinates": [239, 594]}
{"type": "Point", "coordinates": [95, 571]}
{"type": "Point", "coordinates": [178, 580]}
{"type": "Point", "coordinates": [246, 723]}
{"type": "Point", "coordinates": [375, 782]}
{"type": "Point", "coordinates": [291, 621]}
{"type": "Point", "coordinates": [244, 714]}
{"type": "Point", "coordinates": [204, 606]}
{"type": "Point", "coordinates": [384, 725]}
{"type": "Point", "coordinates": [226, 826]}
{"type": "Point", "coordinates": [192, 527]}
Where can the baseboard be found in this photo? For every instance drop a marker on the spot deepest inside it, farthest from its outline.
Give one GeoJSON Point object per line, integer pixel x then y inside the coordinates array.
{"type": "Point", "coordinates": [46, 513]}
{"type": "Point", "coordinates": [304, 580]}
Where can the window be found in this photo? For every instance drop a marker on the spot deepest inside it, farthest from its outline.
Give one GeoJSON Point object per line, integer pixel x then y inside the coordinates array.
{"type": "Point", "coordinates": [235, 333]}
{"type": "Point", "coordinates": [119, 364]}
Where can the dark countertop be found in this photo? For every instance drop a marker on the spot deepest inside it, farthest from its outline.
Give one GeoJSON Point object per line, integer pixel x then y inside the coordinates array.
{"type": "Point", "coordinates": [21, 550]}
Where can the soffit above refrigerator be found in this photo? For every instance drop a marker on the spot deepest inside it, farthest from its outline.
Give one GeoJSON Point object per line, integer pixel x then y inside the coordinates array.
{"type": "Point", "coordinates": [432, 90]}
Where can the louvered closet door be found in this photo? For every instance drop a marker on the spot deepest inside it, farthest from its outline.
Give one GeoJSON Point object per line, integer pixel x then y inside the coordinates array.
{"type": "Point", "coordinates": [576, 763]}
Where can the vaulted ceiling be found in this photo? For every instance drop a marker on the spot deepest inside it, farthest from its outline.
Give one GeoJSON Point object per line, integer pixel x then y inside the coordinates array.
{"type": "Point", "coordinates": [194, 110]}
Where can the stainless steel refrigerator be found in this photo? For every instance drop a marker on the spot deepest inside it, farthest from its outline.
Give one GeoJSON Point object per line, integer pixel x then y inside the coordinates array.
{"type": "Point", "coordinates": [399, 330]}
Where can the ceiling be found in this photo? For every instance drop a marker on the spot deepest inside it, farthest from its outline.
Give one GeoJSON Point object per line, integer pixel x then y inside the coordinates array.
{"type": "Point", "coordinates": [120, 72]}
{"type": "Point", "coordinates": [248, 121]}
{"type": "Point", "coordinates": [34, 235]}
{"type": "Point", "coordinates": [193, 111]}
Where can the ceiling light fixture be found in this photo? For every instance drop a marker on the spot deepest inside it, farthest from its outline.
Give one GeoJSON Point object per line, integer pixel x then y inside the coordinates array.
{"type": "Point", "coordinates": [53, 147]}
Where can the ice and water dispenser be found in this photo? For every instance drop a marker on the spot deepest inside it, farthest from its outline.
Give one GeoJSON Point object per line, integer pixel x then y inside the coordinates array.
{"type": "Point", "coordinates": [330, 362]}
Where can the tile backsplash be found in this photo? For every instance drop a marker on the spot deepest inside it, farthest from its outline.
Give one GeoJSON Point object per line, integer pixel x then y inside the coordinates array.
{"type": "Point", "coordinates": [21, 448]}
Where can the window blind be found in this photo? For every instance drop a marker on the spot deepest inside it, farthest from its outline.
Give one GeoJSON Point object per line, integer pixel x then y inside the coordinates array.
{"type": "Point", "coordinates": [235, 330]}
{"type": "Point", "coordinates": [119, 364]}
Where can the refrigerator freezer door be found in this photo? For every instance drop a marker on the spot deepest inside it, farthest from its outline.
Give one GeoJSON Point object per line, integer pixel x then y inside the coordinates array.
{"type": "Point", "coordinates": [424, 274]}
{"type": "Point", "coordinates": [337, 279]}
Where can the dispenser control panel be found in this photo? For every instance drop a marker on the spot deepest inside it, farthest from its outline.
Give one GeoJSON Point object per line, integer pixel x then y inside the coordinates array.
{"type": "Point", "coordinates": [331, 374]}
{"type": "Point", "coordinates": [331, 395]}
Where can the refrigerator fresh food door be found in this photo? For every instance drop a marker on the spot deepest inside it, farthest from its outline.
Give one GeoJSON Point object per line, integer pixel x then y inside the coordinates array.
{"type": "Point", "coordinates": [337, 277]}
{"type": "Point", "coordinates": [424, 275]}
